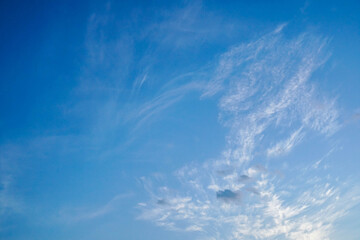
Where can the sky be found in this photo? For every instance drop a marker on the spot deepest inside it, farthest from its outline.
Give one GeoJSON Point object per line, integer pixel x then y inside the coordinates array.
{"type": "Point", "coordinates": [216, 120]}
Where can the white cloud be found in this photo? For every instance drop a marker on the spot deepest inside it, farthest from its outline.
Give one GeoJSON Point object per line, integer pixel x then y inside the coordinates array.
{"type": "Point", "coordinates": [188, 25]}
{"type": "Point", "coordinates": [162, 101]}
{"type": "Point", "coordinates": [265, 95]}
{"type": "Point", "coordinates": [286, 145]}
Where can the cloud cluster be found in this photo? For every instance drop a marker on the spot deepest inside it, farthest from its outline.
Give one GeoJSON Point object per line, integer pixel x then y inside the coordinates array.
{"type": "Point", "coordinates": [269, 105]}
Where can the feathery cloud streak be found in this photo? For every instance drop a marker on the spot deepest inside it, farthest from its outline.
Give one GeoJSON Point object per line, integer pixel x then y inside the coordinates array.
{"type": "Point", "coordinates": [269, 105]}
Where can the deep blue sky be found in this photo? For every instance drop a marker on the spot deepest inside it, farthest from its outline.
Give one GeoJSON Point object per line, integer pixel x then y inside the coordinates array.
{"type": "Point", "coordinates": [173, 120]}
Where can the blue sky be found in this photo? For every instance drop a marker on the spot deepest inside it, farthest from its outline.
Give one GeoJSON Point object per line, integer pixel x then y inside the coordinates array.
{"type": "Point", "coordinates": [173, 120]}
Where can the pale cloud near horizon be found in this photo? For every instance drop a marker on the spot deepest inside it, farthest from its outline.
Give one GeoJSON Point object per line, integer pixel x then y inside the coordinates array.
{"type": "Point", "coordinates": [264, 91]}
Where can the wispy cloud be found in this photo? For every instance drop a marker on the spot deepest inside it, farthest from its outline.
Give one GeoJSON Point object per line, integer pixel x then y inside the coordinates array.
{"type": "Point", "coordinates": [269, 105]}
{"type": "Point", "coordinates": [75, 215]}
{"type": "Point", "coordinates": [187, 26]}
{"type": "Point", "coordinates": [10, 202]}
{"type": "Point", "coordinates": [286, 145]}
{"type": "Point", "coordinates": [164, 100]}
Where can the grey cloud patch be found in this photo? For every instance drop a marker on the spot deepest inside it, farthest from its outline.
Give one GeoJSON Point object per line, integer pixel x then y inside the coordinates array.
{"type": "Point", "coordinates": [227, 195]}
{"type": "Point", "coordinates": [244, 178]}
{"type": "Point", "coordinates": [162, 202]}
